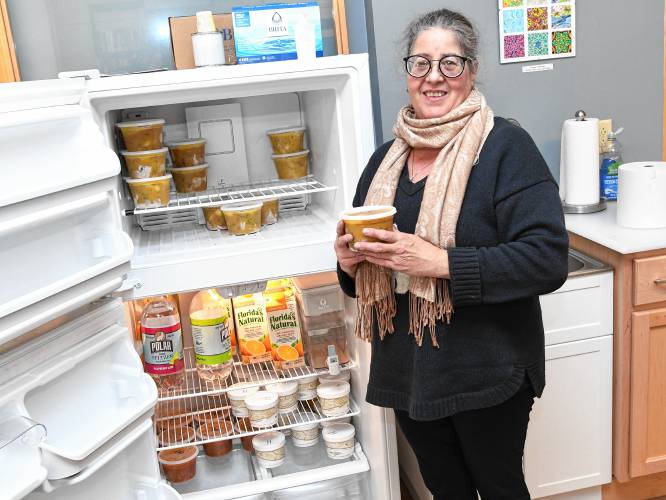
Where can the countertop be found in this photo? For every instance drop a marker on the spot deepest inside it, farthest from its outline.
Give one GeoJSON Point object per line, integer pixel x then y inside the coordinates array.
{"type": "Point", "coordinates": [601, 227]}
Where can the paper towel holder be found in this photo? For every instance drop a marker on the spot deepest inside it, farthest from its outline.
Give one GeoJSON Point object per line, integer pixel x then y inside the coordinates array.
{"type": "Point", "coordinates": [581, 115]}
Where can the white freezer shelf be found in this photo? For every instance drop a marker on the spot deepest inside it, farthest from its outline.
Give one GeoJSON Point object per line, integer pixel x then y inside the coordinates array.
{"type": "Point", "coordinates": [191, 258]}
{"type": "Point", "coordinates": [302, 467]}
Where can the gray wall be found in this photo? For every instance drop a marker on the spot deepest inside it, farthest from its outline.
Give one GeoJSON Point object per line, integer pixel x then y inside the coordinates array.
{"type": "Point", "coordinates": [617, 72]}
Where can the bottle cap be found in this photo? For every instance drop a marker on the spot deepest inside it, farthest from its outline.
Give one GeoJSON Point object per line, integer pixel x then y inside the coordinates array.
{"type": "Point", "coordinates": [205, 23]}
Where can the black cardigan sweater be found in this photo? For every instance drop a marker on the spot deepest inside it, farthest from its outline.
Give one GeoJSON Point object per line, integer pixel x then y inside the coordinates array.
{"type": "Point", "coordinates": [511, 247]}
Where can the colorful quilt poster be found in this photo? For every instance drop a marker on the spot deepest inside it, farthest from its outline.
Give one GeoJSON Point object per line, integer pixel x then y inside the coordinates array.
{"type": "Point", "coordinates": [536, 29]}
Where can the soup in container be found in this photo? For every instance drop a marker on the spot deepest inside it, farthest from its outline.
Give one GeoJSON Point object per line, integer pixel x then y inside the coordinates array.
{"type": "Point", "coordinates": [214, 218]}
{"type": "Point", "coordinates": [142, 135]}
{"type": "Point", "coordinates": [243, 219]}
{"type": "Point", "coordinates": [371, 216]}
{"type": "Point", "coordinates": [287, 392]}
{"type": "Point", "coordinates": [263, 409]}
{"type": "Point", "coordinates": [306, 433]}
{"type": "Point", "coordinates": [143, 164]}
{"type": "Point", "coordinates": [291, 165]}
{"type": "Point", "coordinates": [286, 140]}
{"type": "Point", "coordinates": [188, 153]}
{"type": "Point", "coordinates": [179, 465]}
{"type": "Point", "coordinates": [334, 398]}
{"type": "Point", "coordinates": [216, 429]}
{"type": "Point", "coordinates": [151, 192]}
{"type": "Point", "coordinates": [339, 439]}
{"type": "Point", "coordinates": [269, 449]}
{"type": "Point", "coordinates": [237, 395]}
{"type": "Point", "coordinates": [269, 211]}
{"type": "Point", "coordinates": [190, 179]}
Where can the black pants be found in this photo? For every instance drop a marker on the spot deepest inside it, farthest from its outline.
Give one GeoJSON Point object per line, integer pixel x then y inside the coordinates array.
{"type": "Point", "coordinates": [477, 450]}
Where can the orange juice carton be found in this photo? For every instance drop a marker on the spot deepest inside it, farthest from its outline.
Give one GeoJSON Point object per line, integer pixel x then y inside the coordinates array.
{"type": "Point", "coordinates": [284, 329]}
{"type": "Point", "coordinates": [251, 328]}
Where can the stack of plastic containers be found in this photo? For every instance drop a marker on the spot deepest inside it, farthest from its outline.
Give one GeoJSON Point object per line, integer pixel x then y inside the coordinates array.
{"type": "Point", "coordinates": [189, 170]}
{"type": "Point", "coordinates": [289, 154]}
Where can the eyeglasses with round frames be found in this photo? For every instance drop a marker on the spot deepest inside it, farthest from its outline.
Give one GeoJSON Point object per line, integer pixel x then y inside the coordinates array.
{"type": "Point", "coordinates": [451, 66]}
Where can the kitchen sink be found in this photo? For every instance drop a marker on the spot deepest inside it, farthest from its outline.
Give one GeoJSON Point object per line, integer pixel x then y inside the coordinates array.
{"type": "Point", "coordinates": [580, 263]}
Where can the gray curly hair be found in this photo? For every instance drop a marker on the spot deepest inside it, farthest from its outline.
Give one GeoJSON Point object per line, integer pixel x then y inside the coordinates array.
{"type": "Point", "coordinates": [468, 37]}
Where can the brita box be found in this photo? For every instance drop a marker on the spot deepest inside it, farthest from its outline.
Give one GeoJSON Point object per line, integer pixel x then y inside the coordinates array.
{"type": "Point", "coordinates": [276, 32]}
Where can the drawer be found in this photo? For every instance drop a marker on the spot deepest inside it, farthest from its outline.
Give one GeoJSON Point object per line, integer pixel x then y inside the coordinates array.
{"type": "Point", "coordinates": [649, 280]}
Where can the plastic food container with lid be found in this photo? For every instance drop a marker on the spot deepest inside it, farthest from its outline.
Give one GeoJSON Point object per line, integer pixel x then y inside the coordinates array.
{"type": "Point", "coordinates": [269, 449]}
{"type": "Point", "coordinates": [307, 387]}
{"type": "Point", "coordinates": [243, 426]}
{"type": "Point", "coordinates": [142, 135]}
{"type": "Point", "coordinates": [291, 165]}
{"type": "Point", "coordinates": [262, 407]}
{"type": "Point", "coordinates": [339, 439]}
{"type": "Point", "coordinates": [306, 433]}
{"type": "Point", "coordinates": [237, 394]}
{"type": "Point", "coordinates": [370, 216]}
{"type": "Point", "coordinates": [216, 429]}
{"type": "Point", "coordinates": [151, 192]}
{"type": "Point", "coordinates": [190, 179]}
{"type": "Point", "coordinates": [286, 140]}
{"type": "Point", "coordinates": [179, 465]}
{"type": "Point", "coordinates": [188, 153]}
{"type": "Point", "coordinates": [182, 434]}
{"type": "Point", "coordinates": [143, 164]}
{"type": "Point", "coordinates": [287, 395]}
{"type": "Point", "coordinates": [334, 398]}
{"type": "Point", "coordinates": [243, 219]}
{"type": "Point", "coordinates": [343, 420]}
{"type": "Point", "coordinates": [269, 211]}
{"type": "Point", "coordinates": [214, 218]}
{"type": "Point", "coordinates": [343, 376]}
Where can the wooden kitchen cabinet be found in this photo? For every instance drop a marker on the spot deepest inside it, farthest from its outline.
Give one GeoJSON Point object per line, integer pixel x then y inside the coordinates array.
{"type": "Point", "coordinates": [639, 370]}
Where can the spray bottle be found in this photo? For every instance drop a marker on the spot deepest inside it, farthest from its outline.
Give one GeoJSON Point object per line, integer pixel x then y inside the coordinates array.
{"type": "Point", "coordinates": [611, 160]}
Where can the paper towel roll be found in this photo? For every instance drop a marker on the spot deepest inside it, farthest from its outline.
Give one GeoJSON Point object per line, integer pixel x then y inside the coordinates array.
{"type": "Point", "coordinates": [579, 162]}
{"type": "Point", "coordinates": [641, 195]}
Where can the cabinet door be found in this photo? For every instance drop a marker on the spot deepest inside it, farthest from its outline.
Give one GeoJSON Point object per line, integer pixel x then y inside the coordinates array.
{"type": "Point", "coordinates": [568, 443]}
{"type": "Point", "coordinates": [648, 390]}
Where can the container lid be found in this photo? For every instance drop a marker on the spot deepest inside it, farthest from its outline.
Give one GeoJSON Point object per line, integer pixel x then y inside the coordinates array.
{"type": "Point", "coordinates": [333, 389]}
{"type": "Point", "coordinates": [242, 207]}
{"type": "Point", "coordinates": [241, 390]}
{"type": "Point", "coordinates": [268, 441]}
{"type": "Point", "coordinates": [215, 428]}
{"type": "Point", "coordinates": [289, 155]}
{"type": "Point", "coordinates": [178, 455]}
{"type": "Point", "coordinates": [176, 435]}
{"type": "Point", "coordinates": [305, 421]}
{"type": "Point", "coordinates": [361, 213]}
{"type": "Point", "coordinates": [139, 153]}
{"type": "Point", "coordinates": [185, 142]}
{"type": "Point", "coordinates": [337, 433]}
{"type": "Point", "coordinates": [141, 123]}
{"type": "Point", "coordinates": [261, 400]}
{"type": "Point", "coordinates": [187, 169]}
{"type": "Point", "coordinates": [315, 280]}
{"type": "Point", "coordinates": [343, 376]}
{"type": "Point", "coordinates": [308, 379]}
{"type": "Point", "coordinates": [148, 179]}
{"type": "Point", "coordinates": [284, 130]}
{"type": "Point", "coordinates": [283, 388]}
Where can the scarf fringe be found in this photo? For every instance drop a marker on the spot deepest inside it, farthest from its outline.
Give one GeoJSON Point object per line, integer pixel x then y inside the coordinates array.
{"type": "Point", "coordinates": [425, 313]}
{"type": "Point", "coordinates": [374, 302]}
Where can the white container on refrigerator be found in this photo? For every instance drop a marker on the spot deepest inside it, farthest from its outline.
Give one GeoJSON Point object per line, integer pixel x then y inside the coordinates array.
{"type": "Point", "coordinates": [332, 98]}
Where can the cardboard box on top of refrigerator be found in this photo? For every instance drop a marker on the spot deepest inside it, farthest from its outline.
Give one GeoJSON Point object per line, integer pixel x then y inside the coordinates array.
{"type": "Point", "coordinates": [276, 32]}
{"type": "Point", "coordinates": [181, 39]}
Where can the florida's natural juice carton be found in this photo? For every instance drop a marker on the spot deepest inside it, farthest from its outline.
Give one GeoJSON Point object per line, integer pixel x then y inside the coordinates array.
{"type": "Point", "coordinates": [284, 329]}
{"type": "Point", "coordinates": [251, 329]}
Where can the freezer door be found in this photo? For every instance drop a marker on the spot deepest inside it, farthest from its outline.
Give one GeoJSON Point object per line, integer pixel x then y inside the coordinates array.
{"type": "Point", "coordinates": [61, 242]}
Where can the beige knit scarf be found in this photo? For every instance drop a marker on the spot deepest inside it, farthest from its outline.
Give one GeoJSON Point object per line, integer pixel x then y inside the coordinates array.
{"type": "Point", "coordinates": [459, 134]}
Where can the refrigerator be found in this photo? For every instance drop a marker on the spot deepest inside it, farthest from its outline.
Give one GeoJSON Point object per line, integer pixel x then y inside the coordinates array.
{"type": "Point", "coordinates": [76, 408]}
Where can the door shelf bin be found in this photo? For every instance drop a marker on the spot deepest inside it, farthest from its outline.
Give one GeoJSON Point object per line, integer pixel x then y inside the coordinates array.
{"type": "Point", "coordinates": [19, 454]}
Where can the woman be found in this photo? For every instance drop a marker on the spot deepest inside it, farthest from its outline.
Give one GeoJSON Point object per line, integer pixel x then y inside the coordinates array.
{"type": "Point", "coordinates": [450, 297]}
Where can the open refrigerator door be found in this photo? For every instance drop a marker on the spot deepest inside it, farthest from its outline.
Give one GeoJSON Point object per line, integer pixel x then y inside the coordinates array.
{"type": "Point", "coordinates": [175, 253]}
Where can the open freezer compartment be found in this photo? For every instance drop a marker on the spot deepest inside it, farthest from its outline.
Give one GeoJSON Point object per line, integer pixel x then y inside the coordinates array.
{"type": "Point", "coordinates": [233, 108]}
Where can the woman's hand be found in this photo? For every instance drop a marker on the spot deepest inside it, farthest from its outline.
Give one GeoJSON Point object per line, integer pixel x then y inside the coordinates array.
{"type": "Point", "coordinates": [406, 253]}
{"type": "Point", "coordinates": [347, 259]}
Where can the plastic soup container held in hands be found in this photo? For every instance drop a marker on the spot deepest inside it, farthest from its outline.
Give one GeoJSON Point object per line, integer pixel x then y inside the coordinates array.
{"type": "Point", "coordinates": [371, 216]}
{"type": "Point", "coordinates": [334, 398]}
{"type": "Point", "coordinates": [151, 192]}
{"type": "Point", "coordinates": [243, 219]}
{"type": "Point", "coordinates": [179, 465]}
{"type": "Point", "coordinates": [339, 439]}
{"type": "Point", "coordinates": [263, 409]}
{"type": "Point", "coordinates": [269, 449]}
{"type": "Point", "coordinates": [216, 429]}
{"type": "Point", "coordinates": [291, 165]}
{"type": "Point", "coordinates": [269, 211]}
{"type": "Point", "coordinates": [214, 218]}
{"type": "Point", "coordinates": [142, 135]}
{"type": "Point", "coordinates": [143, 164]}
{"type": "Point", "coordinates": [237, 395]}
{"type": "Point", "coordinates": [286, 140]}
{"type": "Point", "coordinates": [188, 153]}
{"type": "Point", "coordinates": [190, 179]}
{"type": "Point", "coordinates": [306, 433]}
{"type": "Point", "coordinates": [287, 395]}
